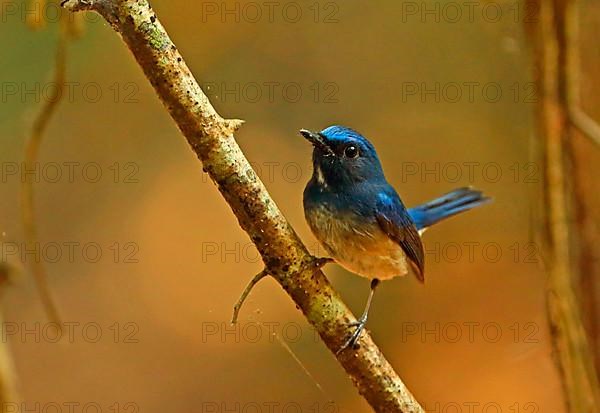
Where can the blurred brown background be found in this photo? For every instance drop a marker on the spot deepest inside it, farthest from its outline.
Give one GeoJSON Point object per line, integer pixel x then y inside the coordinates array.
{"type": "Point", "coordinates": [419, 80]}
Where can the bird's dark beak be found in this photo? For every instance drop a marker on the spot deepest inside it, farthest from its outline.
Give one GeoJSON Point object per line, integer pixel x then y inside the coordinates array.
{"type": "Point", "coordinates": [316, 139]}
{"type": "Point", "coordinates": [312, 137]}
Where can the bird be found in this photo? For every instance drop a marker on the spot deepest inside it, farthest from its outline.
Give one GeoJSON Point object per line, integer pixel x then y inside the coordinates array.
{"type": "Point", "coordinates": [359, 218]}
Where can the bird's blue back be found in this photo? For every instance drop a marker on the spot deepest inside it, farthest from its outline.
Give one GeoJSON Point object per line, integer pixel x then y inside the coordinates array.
{"type": "Point", "coordinates": [348, 193]}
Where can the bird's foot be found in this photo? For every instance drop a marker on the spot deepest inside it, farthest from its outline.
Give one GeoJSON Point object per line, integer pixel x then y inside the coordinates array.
{"type": "Point", "coordinates": [320, 262]}
{"type": "Point", "coordinates": [360, 326]}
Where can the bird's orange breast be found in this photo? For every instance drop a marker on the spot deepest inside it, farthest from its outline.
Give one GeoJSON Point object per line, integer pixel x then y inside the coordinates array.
{"type": "Point", "coordinates": [356, 244]}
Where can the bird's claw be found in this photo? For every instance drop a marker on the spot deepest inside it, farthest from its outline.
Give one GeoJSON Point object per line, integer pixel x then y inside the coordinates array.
{"type": "Point", "coordinates": [318, 263]}
{"type": "Point", "coordinates": [360, 326]}
{"type": "Point", "coordinates": [321, 261]}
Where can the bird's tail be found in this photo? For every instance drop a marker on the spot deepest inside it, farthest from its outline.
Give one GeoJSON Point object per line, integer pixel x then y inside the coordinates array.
{"type": "Point", "coordinates": [452, 203]}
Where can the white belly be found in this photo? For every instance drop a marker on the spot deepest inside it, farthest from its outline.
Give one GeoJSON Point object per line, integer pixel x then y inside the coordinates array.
{"type": "Point", "coordinates": [362, 249]}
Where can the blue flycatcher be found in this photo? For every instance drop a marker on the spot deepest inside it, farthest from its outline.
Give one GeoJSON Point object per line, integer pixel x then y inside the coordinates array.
{"type": "Point", "coordinates": [359, 218]}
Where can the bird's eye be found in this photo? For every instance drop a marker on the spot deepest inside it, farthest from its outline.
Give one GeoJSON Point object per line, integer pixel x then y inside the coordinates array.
{"type": "Point", "coordinates": [351, 151]}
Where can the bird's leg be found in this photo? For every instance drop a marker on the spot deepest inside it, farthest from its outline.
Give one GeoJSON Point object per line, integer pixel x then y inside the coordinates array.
{"type": "Point", "coordinates": [362, 321]}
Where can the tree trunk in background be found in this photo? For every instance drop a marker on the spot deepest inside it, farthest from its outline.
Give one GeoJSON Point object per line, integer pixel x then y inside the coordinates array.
{"type": "Point", "coordinates": [587, 211]}
{"type": "Point", "coordinates": [564, 209]}
{"type": "Point", "coordinates": [586, 160]}
{"type": "Point", "coordinates": [9, 397]}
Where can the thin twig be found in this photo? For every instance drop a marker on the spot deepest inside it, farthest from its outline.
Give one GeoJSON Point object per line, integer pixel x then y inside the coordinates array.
{"type": "Point", "coordinates": [317, 264]}
{"type": "Point", "coordinates": [40, 126]}
{"type": "Point", "coordinates": [586, 125]}
{"type": "Point", "coordinates": [249, 287]}
{"type": "Point", "coordinates": [577, 116]}
{"type": "Point", "coordinates": [284, 255]}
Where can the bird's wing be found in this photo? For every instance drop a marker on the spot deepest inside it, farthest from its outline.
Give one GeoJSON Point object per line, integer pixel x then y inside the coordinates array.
{"type": "Point", "coordinates": [397, 224]}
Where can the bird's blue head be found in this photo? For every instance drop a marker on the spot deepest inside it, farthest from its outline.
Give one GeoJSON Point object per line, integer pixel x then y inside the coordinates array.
{"type": "Point", "coordinates": [342, 157]}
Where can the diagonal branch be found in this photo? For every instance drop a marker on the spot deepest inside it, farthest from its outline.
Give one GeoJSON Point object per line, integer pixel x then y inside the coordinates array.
{"type": "Point", "coordinates": [286, 258]}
